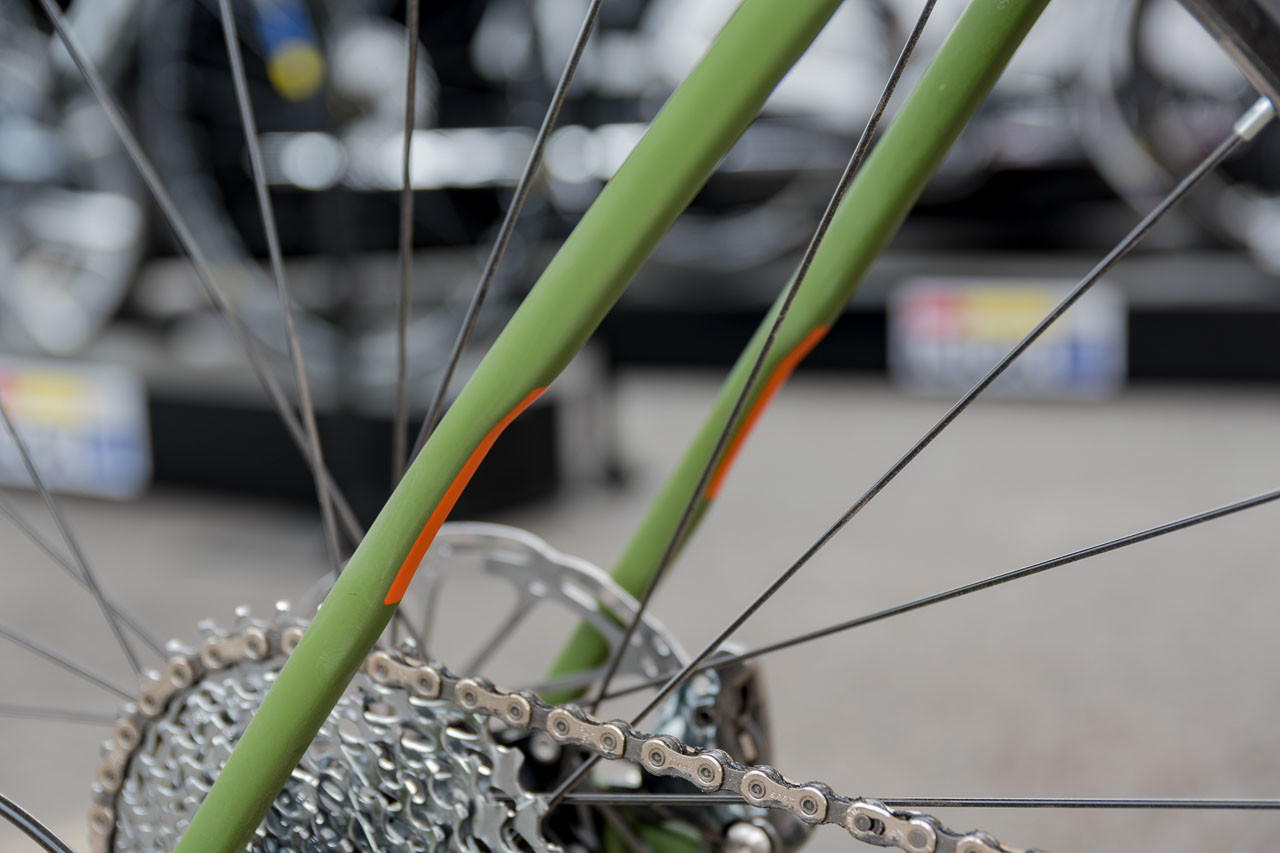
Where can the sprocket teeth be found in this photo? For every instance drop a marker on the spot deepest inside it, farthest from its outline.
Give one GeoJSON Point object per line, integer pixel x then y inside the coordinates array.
{"type": "Point", "coordinates": [183, 712]}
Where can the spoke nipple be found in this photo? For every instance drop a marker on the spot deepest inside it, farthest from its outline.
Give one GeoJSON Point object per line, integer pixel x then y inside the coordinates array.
{"type": "Point", "coordinates": [1258, 116]}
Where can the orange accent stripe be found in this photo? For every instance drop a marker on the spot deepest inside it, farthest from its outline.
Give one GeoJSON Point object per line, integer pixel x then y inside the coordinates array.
{"type": "Point", "coordinates": [451, 494]}
{"type": "Point", "coordinates": [771, 386]}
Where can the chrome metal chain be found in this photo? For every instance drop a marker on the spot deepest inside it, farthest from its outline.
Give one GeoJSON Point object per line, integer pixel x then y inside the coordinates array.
{"type": "Point", "coordinates": [708, 770]}
{"type": "Point", "coordinates": [388, 769]}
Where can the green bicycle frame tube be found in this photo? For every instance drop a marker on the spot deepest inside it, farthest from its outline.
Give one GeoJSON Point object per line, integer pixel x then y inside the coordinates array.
{"type": "Point", "coordinates": [692, 132]}
{"type": "Point", "coordinates": [883, 193]}
{"type": "Point", "coordinates": [695, 128]}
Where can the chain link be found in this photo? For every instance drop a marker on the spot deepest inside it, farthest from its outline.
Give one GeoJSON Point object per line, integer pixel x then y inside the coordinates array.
{"type": "Point", "coordinates": [708, 770]}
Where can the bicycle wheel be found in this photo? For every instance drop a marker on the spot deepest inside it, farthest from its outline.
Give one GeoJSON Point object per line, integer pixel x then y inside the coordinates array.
{"type": "Point", "coordinates": [231, 670]}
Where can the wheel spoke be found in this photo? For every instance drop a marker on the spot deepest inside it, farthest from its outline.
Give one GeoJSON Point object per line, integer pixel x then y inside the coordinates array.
{"type": "Point", "coordinates": [574, 681]}
{"type": "Point", "coordinates": [400, 423]}
{"type": "Point", "coordinates": [1080, 803]}
{"type": "Point", "coordinates": [430, 601]}
{"type": "Point", "coordinates": [501, 633]}
{"type": "Point", "coordinates": [77, 555]}
{"type": "Point", "coordinates": [644, 798]}
{"type": "Point", "coordinates": [20, 520]}
{"type": "Point", "coordinates": [739, 405]}
{"type": "Point", "coordinates": [508, 227]}
{"type": "Point", "coordinates": [403, 627]}
{"type": "Point", "coordinates": [31, 644]}
{"type": "Point", "coordinates": [633, 842]}
{"type": "Point", "coordinates": [199, 262]}
{"type": "Point", "coordinates": [626, 798]}
{"type": "Point", "coordinates": [1245, 129]}
{"type": "Point", "coordinates": [62, 715]}
{"type": "Point", "coordinates": [1219, 154]}
{"type": "Point", "coordinates": [977, 586]}
{"type": "Point", "coordinates": [32, 828]}
{"type": "Point", "coordinates": [267, 211]}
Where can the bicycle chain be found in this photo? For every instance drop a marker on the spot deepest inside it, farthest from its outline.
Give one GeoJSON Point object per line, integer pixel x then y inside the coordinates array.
{"type": "Point", "coordinates": [708, 770]}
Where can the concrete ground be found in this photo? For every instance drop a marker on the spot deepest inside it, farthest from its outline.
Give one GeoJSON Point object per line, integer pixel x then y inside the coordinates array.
{"type": "Point", "coordinates": [1148, 672]}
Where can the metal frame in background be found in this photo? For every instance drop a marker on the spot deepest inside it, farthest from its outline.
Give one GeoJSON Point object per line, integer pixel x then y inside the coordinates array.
{"type": "Point", "coordinates": [695, 128]}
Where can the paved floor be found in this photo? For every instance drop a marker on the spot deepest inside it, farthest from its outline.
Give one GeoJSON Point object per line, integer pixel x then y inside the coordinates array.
{"type": "Point", "coordinates": [1147, 672]}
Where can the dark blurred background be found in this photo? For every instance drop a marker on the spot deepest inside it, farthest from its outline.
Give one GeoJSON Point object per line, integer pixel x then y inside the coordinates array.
{"type": "Point", "coordinates": [1082, 131]}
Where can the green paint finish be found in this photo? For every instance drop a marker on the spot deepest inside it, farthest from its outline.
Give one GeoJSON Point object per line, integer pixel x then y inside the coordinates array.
{"type": "Point", "coordinates": [665, 837]}
{"type": "Point", "coordinates": [696, 127]}
{"type": "Point", "coordinates": [669, 837]}
{"type": "Point", "coordinates": [883, 193]}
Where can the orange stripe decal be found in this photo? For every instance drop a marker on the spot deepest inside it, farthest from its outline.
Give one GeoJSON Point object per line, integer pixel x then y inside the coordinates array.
{"type": "Point", "coordinates": [451, 494]}
{"type": "Point", "coordinates": [771, 386]}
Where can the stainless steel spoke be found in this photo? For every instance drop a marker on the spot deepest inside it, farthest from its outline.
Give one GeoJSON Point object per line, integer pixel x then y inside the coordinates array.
{"type": "Point", "coordinates": [644, 798]}
{"type": "Point", "coordinates": [400, 424]}
{"type": "Point", "coordinates": [10, 509]}
{"type": "Point", "coordinates": [82, 565]}
{"type": "Point", "coordinates": [61, 715]}
{"type": "Point", "coordinates": [508, 226]}
{"type": "Point", "coordinates": [789, 295]}
{"type": "Point", "coordinates": [1079, 803]}
{"type": "Point", "coordinates": [199, 262]}
{"type": "Point", "coordinates": [625, 798]}
{"type": "Point", "coordinates": [575, 681]}
{"type": "Point", "coordinates": [402, 627]}
{"type": "Point", "coordinates": [267, 211]}
{"type": "Point", "coordinates": [501, 633]}
{"type": "Point", "coordinates": [27, 824]}
{"type": "Point", "coordinates": [630, 839]}
{"type": "Point", "coordinates": [1245, 129]}
{"type": "Point", "coordinates": [51, 654]}
{"type": "Point", "coordinates": [430, 600]}
{"type": "Point", "coordinates": [977, 586]}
